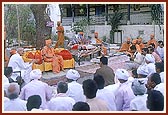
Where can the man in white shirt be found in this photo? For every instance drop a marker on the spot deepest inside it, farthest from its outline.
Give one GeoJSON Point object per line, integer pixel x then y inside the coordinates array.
{"type": "Point", "coordinates": [61, 102]}
{"type": "Point", "coordinates": [104, 94]}
{"type": "Point", "coordinates": [17, 63]}
{"type": "Point", "coordinates": [136, 60]}
{"type": "Point", "coordinates": [139, 102]}
{"type": "Point", "coordinates": [36, 87]}
{"type": "Point", "coordinates": [74, 89]}
{"type": "Point", "coordinates": [15, 103]}
{"type": "Point", "coordinates": [160, 49]}
{"type": "Point", "coordinates": [90, 90]}
{"type": "Point", "coordinates": [124, 93]}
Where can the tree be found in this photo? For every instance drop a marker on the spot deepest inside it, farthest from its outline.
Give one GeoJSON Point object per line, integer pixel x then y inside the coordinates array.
{"type": "Point", "coordinates": [42, 31]}
{"type": "Point", "coordinates": [26, 22]}
{"type": "Point", "coordinates": [114, 22]}
{"type": "Point", "coordinates": [156, 11]}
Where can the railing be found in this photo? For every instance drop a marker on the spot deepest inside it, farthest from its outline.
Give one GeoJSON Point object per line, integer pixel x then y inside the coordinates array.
{"type": "Point", "coordinates": [142, 18]}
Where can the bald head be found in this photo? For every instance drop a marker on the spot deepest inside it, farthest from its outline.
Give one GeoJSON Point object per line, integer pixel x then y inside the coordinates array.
{"type": "Point", "coordinates": [152, 36]}
{"type": "Point", "coordinates": [128, 40]}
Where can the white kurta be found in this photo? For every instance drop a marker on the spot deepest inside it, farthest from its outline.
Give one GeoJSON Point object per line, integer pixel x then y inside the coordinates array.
{"type": "Point", "coordinates": [160, 87]}
{"type": "Point", "coordinates": [61, 103]}
{"type": "Point", "coordinates": [5, 82]}
{"type": "Point", "coordinates": [137, 61]}
{"type": "Point", "coordinates": [36, 87]}
{"type": "Point", "coordinates": [15, 105]}
{"type": "Point", "coordinates": [75, 91]}
{"type": "Point", "coordinates": [139, 103]}
{"type": "Point", "coordinates": [161, 52]}
{"type": "Point", "coordinates": [108, 97]}
{"type": "Point", "coordinates": [17, 63]}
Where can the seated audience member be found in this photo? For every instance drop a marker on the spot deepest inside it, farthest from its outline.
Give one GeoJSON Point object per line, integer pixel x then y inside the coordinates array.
{"type": "Point", "coordinates": [160, 49]}
{"type": "Point", "coordinates": [50, 56]}
{"type": "Point", "coordinates": [37, 87]}
{"type": "Point", "coordinates": [125, 46]}
{"type": "Point", "coordinates": [90, 90]}
{"type": "Point", "coordinates": [8, 72]}
{"type": "Point", "coordinates": [61, 102]}
{"type": "Point", "coordinates": [124, 94]}
{"type": "Point", "coordinates": [155, 101]}
{"type": "Point", "coordinates": [160, 70]}
{"type": "Point", "coordinates": [139, 102]}
{"type": "Point", "coordinates": [81, 106]}
{"type": "Point", "coordinates": [134, 73]}
{"type": "Point", "coordinates": [75, 90]}
{"type": "Point", "coordinates": [136, 59]}
{"type": "Point", "coordinates": [14, 103]}
{"type": "Point", "coordinates": [17, 63]}
{"type": "Point", "coordinates": [104, 94]}
{"type": "Point", "coordinates": [105, 71]}
{"type": "Point", "coordinates": [155, 55]}
{"type": "Point", "coordinates": [149, 65]}
{"type": "Point", "coordinates": [154, 83]}
{"type": "Point", "coordinates": [33, 103]}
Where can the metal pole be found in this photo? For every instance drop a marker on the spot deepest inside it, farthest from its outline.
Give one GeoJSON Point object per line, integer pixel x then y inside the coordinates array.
{"type": "Point", "coordinates": [18, 24]}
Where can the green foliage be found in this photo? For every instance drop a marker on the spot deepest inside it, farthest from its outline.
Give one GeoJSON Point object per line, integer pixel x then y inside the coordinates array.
{"type": "Point", "coordinates": [104, 38]}
{"type": "Point", "coordinates": [156, 11]}
{"type": "Point", "coordinates": [26, 22]}
{"type": "Point", "coordinates": [81, 26]}
{"type": "Point", "coordinates": [114, 22]}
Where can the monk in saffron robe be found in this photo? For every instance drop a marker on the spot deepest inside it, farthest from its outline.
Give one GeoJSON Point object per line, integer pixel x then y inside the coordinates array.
{"type": "Point", "coordinates": [152, 40]}
{"type": "Point", "coordinates": [60, 33]}
{"type": "Point", "coordinates": [139, 42]}
{"type": "Point", "coordinates": [138, 49]}
{"type": "Point", "coordinates": [99, 41]}
{"type": "Point", "coordinates": [125, 46]}
{"type": "Point", "coordinates": [50, 56]}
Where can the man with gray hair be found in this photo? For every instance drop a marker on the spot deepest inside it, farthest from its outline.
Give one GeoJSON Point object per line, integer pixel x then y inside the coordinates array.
{"type": "Point", "coordinates": [17, 63]}
{"type": "Point", "coordinates": [139, 102]}
{"type": "Point", "coordinates": [15, 103]}
{"type": "Point", "coordinates": [61, 102]}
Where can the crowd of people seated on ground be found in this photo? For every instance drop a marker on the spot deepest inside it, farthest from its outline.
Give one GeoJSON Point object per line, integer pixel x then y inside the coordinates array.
{"type": "Point", "coordinates": [107, 91]}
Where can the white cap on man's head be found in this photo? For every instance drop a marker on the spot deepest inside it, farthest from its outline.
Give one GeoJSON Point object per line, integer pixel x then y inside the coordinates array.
{"type": "Point", "coordinates": [122, 74]}
{"type": "Point", "coordinates": [138, 87]}
{"type": "Point", "coordinates": [142, 70]}
{"type": "Point", "coordinates": [35, 74]}
{"type": "Point", "coordinates": [150, 58]}
{"type": "Point", "coordinates": [72, 74]}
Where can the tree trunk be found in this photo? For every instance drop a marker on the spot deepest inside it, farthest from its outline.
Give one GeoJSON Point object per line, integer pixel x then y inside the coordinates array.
{"type": "Point", "coordinates": [41, 18]}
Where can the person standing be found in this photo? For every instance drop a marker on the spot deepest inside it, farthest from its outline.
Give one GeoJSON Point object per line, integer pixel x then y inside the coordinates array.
{"type": "Point", "coordinates": [60, 35]}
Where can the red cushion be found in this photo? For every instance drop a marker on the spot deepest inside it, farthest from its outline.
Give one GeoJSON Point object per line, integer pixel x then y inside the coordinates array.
{"type": "Point", "coordinates": [38, 56]}
{"type": "Point", "coordinates": [66, 55]}
{"type": "Point", "coordinates": [75, 47]}
{"type": "Point", "coordinates": [30, 55]}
